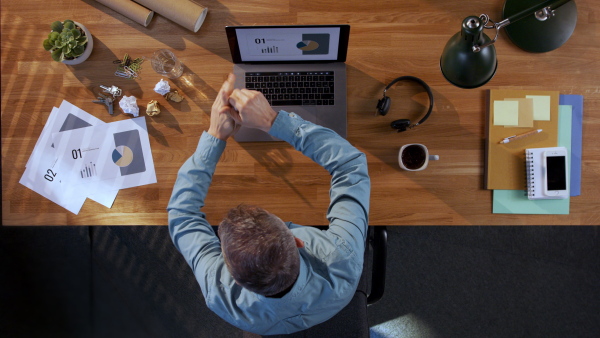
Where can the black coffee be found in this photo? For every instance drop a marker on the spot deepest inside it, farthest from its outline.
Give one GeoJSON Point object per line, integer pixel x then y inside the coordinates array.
{"type": "Point", "coordinates": [413, 157]}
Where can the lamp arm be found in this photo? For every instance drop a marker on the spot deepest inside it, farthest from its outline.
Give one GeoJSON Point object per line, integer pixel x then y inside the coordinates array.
{"type": "Point", "coordinates": [542, 12]}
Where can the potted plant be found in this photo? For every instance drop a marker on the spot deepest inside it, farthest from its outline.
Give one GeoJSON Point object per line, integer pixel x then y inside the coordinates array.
{"type": "Point", "coordinates": [69, 42]}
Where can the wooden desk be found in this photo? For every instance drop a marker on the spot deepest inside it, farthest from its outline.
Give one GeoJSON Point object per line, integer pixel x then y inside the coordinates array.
{"type": "Point", "coordinates": [388, 39]}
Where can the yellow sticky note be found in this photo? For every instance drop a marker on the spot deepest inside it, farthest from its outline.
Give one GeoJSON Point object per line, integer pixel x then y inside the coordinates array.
{"type": "Point", "coordinates": [506, 113]}
{"type": "Point", "coordinates": [541, 107]}
{"type": "Point", "coordinates": [525, 112]}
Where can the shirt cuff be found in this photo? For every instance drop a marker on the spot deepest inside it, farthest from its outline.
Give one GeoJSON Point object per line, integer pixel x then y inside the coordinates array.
{"type": "Point", "coordinates": [210, 149]}
{"type": "Point", "coordinates": [286, 125]}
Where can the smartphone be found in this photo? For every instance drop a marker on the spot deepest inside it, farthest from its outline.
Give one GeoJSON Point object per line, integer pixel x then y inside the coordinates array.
{"type": "Point", "coordinates": [556, 175]}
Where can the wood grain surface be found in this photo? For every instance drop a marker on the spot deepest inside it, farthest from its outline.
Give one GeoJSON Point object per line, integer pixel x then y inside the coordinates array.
{"type": "Point", "coordinates": [388, 39]}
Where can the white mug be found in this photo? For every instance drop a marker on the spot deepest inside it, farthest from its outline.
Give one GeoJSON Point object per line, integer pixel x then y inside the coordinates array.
{"type": "Point", "coordinates": [415, 157]}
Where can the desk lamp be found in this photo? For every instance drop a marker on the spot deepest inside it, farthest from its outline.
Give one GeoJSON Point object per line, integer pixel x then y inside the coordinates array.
{"type": "Point", "coordinates": [469, 58]}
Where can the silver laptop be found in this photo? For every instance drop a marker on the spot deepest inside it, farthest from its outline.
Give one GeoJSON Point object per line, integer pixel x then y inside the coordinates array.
{"type": "Point", "coordinates": [299, 69]}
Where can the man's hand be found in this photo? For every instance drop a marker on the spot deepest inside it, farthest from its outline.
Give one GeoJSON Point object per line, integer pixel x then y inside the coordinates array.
{"type": "Point", "coordinates": [251, 109]}
{"type": "Point", "coordinates": [221, 124]}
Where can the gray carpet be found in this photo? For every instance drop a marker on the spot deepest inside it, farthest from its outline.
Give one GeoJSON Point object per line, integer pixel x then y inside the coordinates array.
{"type": "Point", "coordinates": [441, 282]}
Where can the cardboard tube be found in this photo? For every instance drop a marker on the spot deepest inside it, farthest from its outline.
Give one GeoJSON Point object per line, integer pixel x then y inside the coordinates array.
{"type": "Point", "coordinates": [130, 9]}
{"type": "Point", "coordinates": [183, 12]}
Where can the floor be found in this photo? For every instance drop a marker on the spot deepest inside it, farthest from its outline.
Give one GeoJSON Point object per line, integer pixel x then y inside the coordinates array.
{"type": "Point", "coordinates": [441, 282]}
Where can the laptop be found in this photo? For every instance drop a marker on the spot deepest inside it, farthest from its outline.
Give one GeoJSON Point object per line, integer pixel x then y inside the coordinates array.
{"type": "Point", "coordinates": [299, 69]}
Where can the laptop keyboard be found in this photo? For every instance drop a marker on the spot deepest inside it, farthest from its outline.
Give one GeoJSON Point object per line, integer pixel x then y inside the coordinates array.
{"type": "Point", "coordinates": [294, 88]}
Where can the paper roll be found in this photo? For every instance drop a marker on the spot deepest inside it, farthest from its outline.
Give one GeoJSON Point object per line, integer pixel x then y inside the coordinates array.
{"type": "Point", "coordinates": [130, 9]}
{"type": "Point", "coordinates": [183, 12]}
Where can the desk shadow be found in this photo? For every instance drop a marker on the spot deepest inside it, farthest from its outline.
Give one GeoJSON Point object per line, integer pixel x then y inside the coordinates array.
{"type": "Point", "coordinates": [276, 160]}
{"type": "Point", "coordinates": [194, 88]}
{"type": "Point", "coordinates": [99, 69]}
{"type": "Point", "coordinates": [409, 101]}
{"type": "Point", "coordinates": [172, 34]}
{"type": "Point", "coordinates": [89, 75]}
{"type": "Point", "coordinates": [366, 132]}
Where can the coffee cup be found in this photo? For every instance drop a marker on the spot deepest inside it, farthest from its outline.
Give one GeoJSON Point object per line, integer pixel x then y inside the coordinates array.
{"type": "Point", "coordinates": [415, 157]}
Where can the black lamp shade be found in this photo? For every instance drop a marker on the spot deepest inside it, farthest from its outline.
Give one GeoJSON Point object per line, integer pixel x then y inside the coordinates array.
{"type": "Point", "coordinates": [462, 66]}
{"type": "Point", "coordinates": [540, 36]}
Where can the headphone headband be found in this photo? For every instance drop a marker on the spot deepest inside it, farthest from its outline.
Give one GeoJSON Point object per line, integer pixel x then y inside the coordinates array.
{"type": "Point", "coordinates": [384, 103]}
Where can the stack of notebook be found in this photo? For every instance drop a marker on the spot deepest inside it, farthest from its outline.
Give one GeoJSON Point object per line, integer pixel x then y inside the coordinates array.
{"type": "Point", "coordinates": [514, 112]}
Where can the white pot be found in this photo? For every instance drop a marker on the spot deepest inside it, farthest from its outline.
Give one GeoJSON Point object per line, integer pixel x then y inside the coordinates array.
{"type": "Point", "coordinates": [88, 48]}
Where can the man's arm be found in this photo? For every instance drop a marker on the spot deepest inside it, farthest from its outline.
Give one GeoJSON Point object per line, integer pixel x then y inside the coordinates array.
{"type": "Point", "coordinates": [350, 183]}
{"type": "Point", "coordinates": [191, 233]}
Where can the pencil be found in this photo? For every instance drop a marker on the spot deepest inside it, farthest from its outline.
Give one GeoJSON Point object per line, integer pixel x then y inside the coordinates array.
{"type": "Point", "coordinates": [516, 137]}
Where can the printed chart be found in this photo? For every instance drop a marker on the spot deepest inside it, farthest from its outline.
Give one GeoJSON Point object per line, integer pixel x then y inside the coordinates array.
{"type": "Point", "coordinates": [41, 171]}
{"type": "Point", "coordinates": [128, 154]}
{"type": "Point", "coordinates": [89, 170]}
{"type": "Point", "coordinates": [122, 156]}
{"type": "Point", "coordinates": [105, 157]}
{"type": "Point", "coordinates": [289, 44]}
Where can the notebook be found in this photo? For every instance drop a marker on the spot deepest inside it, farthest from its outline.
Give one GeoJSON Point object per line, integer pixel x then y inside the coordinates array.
{"type": "Point", "coordinates": [504, 162]}
{"type": "Point", "coordinates": [299, 69]}
{"type": "Point", "coordinates": [537, 170]}
{"type": "Point", "coordinates": [516, 201]}
{"type": "Point", "coordinates": [576, 103]}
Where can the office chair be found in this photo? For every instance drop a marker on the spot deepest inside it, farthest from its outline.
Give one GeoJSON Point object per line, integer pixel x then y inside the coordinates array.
{"type": "Point", "coordinates": [352, 320]}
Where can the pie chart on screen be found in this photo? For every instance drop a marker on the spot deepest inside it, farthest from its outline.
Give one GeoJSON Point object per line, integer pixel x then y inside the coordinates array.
{"type": "Point", "coordinates": [307, 45]}
{"type": "Point", "coordinates": [122, 156]}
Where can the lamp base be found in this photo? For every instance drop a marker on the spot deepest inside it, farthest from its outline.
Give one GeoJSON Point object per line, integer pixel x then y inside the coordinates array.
{"type": "Point", "coordinates": [538, 36]}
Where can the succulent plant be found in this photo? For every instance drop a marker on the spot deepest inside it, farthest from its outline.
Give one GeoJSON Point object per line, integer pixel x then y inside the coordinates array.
{"type": "Point", "coordinates": [66, 41]}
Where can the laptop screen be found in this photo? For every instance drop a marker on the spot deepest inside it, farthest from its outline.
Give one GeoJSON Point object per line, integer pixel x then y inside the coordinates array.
{"type": "Point", "coordinates": [270, 44]}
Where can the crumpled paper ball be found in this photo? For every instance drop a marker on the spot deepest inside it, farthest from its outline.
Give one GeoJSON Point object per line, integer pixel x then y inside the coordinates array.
{"type": "Point", "coordinates": [129, 105]}
{"type": "Point", "coordinates": [174, 96]}
{"type": "Point", "coordinates": [162, 87]}
{"type": "Point", "coordinates": [152, 109]}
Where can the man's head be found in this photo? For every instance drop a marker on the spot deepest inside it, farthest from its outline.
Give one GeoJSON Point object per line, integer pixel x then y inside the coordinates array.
{"type": "Point", "coordinates": [260, 251]}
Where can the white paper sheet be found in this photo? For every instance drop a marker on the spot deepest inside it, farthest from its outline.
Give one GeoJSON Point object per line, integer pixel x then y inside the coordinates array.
{"type": "Point", "coordinates": [115, 155]}
{"type": "Point", "coordinates": [41, 174]}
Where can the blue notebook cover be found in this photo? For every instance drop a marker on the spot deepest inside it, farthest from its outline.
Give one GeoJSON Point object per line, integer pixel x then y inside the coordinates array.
{"type": "Point", "coordinates": [575, 101]}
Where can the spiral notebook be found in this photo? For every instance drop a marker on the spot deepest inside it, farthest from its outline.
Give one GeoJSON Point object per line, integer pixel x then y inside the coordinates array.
{"type": "Point", "coordinates": [535, 171]}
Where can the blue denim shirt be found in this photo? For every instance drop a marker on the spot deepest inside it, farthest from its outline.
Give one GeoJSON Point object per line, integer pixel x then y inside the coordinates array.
{"type": "Point", "coordinates": [330, 262]}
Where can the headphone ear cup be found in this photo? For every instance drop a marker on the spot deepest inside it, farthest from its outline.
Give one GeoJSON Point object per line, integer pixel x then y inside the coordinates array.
{"type": "Point", "coordinates": [401, 124]}
{"type": "Point", "coordinates": [383, 105]}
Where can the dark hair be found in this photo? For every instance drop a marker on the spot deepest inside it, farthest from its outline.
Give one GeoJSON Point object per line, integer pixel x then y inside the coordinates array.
{"type": "Point", "coordinates": [259, 250]}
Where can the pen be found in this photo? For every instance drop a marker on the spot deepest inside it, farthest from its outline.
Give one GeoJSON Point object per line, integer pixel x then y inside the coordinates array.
{"type": "Point", "coordinates": [516, 137]}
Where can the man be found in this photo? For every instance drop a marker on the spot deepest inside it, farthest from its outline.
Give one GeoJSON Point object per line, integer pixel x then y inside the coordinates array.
{"type": "Point", "coordinates": [263, 275]}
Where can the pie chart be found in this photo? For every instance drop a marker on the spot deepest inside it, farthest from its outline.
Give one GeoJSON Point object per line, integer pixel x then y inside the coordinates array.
{"type": "Point", "coordinates": [122, 156]}
{"type": "Point", "coordinates": [307, 45]}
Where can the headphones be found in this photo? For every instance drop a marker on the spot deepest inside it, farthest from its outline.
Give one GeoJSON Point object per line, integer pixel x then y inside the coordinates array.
{"type": "Point", "coordinates": [383, 105]}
